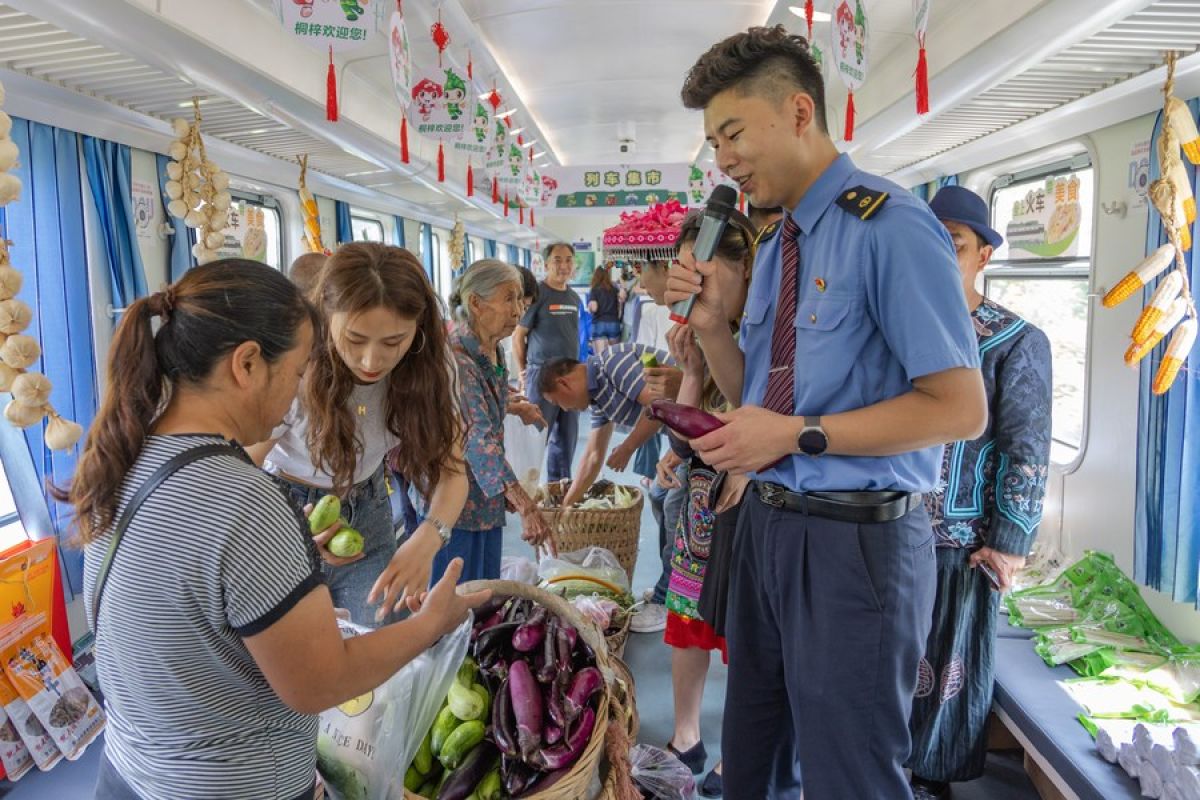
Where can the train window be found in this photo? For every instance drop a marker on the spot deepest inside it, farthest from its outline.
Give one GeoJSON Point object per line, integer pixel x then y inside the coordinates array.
{"type": "Point", "coordinates": [1041, 272]}
{"type": "Point", "coordinates": [254, 230]}
{"type": "Point", "coordinates": [12, 532]}
{"type": "Point", "coordinates": [366, 229]}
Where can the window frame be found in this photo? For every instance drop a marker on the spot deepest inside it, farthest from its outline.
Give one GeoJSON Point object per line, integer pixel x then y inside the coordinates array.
{"type": "Point", "coordinates": [1057, 268]}
{"type": "Point", "coordinates": [371, 222]}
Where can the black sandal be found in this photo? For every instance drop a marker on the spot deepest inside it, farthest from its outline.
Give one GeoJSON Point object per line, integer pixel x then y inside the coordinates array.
{"type": "Point", "coordinates": [713, 785]}
{"type": "Point", "coordinates": [693, 759]}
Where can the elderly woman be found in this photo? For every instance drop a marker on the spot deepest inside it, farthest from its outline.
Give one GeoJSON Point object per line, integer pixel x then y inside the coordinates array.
{"type": "Point", "coordinates": [487, 305]}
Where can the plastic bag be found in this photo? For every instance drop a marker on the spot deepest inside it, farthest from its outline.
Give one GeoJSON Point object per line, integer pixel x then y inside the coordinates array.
{"type": "Point", "coordinates": [366, 744]}
{"type": "Point", "coordinates": [593, 562]}
{"type": "Point", "coordinates": [519, 569]}
{"type": "Point", "coordinates": [525, 451]}
{"type": "Point", "coordinates": [661, 774]}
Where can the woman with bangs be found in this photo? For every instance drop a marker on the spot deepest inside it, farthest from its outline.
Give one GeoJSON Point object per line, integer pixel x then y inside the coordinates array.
{"type": "Point", "coordinates": [380, 381]}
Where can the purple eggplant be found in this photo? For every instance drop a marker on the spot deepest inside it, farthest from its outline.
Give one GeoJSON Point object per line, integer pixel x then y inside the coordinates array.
{"type": "Point", "coordinates": [567, 753]}
{"type": "Point", "coordinates": [527, 707]}
{"type": "Point", "coordinates": [585, 684]}
{"type": "Point", "coordinates": [531, 632]}
{"type": "Point", "coordinates": [497, 638]}
{"type": "Point", "coordinates": [563, 648]}
{"type": "Point", "coordinates": [553, 734]}
{"type": "Point", "coordinates": [518, 777]}
{"type": "Point", "coordinates": [555, 707]}
{"type": "Point", "coordinates": [584, 656]}
{"type": "Point", "coordinates": [545, 780]}
{"type": "Point", "coordinates": [504, 726]}
{"type": "Point", "coordinates": [463, 780]}
{"type": "Point", "coordinates": [547, 666]}
{"type": "Point", "coordinates": [488, 622]}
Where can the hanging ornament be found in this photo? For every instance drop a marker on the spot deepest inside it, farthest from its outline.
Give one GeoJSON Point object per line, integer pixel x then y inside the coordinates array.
{"type": "Point", "coordinates": [439, 101]}
{"type": "Point", "coordinates": [495, 190]}
{"type": "Point", "coordinates": [342, 27]}
{"type": "Point", "coordinates": [200, 194]}
{"type": "Point", "coordinates": [808, 16]}
{"type": "Point", "coordinates": [532, 224]}
{"type": "Point", "coordinates": [512, 173]}
{"type": "Point", "coordinates": [494, 157]}
{"type": "Point", "coordinates": [850, 52]}
{"type": "Point", "coordinates": [400, 59]}
{"type": "Point", "coordinates": [521, 217]}
{"type": "Point", "coordinates": [920, 24]}
{"type": "Point", "coordinates": [312, 213]}
{"type": "Point", "coordinates": [506, 204]}
{"type": "Point", "coordinates": [478, 138]}
{"type": "Point", "coordinates": [470, 67]}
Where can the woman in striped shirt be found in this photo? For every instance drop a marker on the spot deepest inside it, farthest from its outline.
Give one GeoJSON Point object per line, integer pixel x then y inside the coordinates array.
{"type": "Point", "coordinates": [216, 641]}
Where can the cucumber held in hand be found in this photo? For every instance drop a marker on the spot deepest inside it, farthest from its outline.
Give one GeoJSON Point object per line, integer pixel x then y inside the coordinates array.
{"type": "Point", "coordinates": [346, 543]}
{"type": "Point", "coordinates": [324, 513]}
{"type": "Point", "coordinates": [649, 360]}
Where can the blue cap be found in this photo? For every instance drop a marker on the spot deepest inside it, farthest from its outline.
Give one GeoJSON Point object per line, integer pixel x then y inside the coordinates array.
{"type": "Point", "coordinates": [957, 204]}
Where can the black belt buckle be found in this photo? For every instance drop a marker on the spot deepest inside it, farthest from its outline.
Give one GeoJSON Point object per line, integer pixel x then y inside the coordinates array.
{"type": "Point", "coordinates": [772, 494]}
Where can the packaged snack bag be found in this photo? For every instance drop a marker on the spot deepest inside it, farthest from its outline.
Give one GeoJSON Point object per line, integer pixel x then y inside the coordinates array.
{"type": "Point", "coordinates": [14, 754]}
{"type": "Point", "coordinates": [38, 742]}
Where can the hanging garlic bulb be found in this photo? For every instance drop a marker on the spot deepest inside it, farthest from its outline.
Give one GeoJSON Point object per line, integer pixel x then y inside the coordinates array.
{"type": "Point", "coordinates": [22, 416]}
{"type": "Point", "coordinates": [32, 389]}
{"type": "Point", "coordinates": [177, 151]}
{"type": "Point", "coordinates": [5, 125]}
{"type": "Point", "coordinates": [174, 190]}
{"type": "Point", "coordinates": [177, 208]}
{"type": "Point", "coordinates": [10, 188]}
{"type": "Point", "coordinates": [174, 170]}
{"type": "Point", "coordinates": [222, 201]}
{"type": "Point", "coordinates": [220, 181]}
{"type": "Point", "coordinates": [7, 376]}
{"type": "Point", "coordinates": [20, 351]}
{"type": "Point", "coordinates": [214, 240]}
{"type": "Point", "coordinates": [10, 282]}
{"type": "Point", "coordinates": [8, 154]}
{"type": "Point", "coordinates": [193, 219]}
{"type": "Point", "coordinates": [62, 434]}
{"type": "Point", "coordinates": [181, 126]}
{"type": "Point", "coordinates": [15, 316]}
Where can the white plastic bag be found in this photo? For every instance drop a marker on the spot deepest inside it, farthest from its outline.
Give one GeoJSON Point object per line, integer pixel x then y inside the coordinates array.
{"type": "Point", "coordinates": [366, 744]}
{"type": "Point", "coordinates": [519, 569]}
{"type": "Point", "coordinates": [596, 562]}
{"type": "Point", "coordinates": [661, 774]}
{"type": "Point", "coordinates": [525, 450]}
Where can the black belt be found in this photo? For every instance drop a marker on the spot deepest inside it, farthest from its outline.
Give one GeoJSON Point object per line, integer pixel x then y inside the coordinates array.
{"type": "Point", "coordinates": [858, 507]}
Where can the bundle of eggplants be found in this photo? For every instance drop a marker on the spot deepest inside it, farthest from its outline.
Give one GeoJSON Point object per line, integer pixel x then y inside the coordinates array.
{"type": "Point", "coordinates": [546, 686]}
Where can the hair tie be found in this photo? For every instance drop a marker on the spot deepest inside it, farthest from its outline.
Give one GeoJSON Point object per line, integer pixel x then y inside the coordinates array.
{"type": "Point", "coordinates": [164, 303]}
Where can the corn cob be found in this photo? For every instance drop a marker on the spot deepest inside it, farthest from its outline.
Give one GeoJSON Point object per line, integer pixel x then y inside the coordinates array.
{"type": "Point", "coordinates": [309, 202]}
{"type": "Point", "coordinates": [1184, 230]}
{"type": "Point", "coordinates": [1177, 351]}
{"type": "Point", "coordinates": [1137, 352]}
{"type": "Point", "coordinates": [1159, 305]}
{"type": "Point", "coordinates": [1179, 117]}
{"type": "Point", "coordinates": [1183, 187]}
{"type": "Point", "coordinates": [1149, 269]}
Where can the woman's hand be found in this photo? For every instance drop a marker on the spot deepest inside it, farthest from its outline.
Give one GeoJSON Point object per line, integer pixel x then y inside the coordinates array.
{"type": "Point", "coordinates": [593, 306]}
{"type": "Point", "coordinates": [681, 340]}
{"type": "Point", "coordinates": [663, 382]}
{"type": "Point", "coordinates": [527, 412]}
{"type": "Point", "coordinates": [407, 574]}
{"type": "Point", "coordinates": [537, 533]}
{"type": "Point", "coordinates": [322, 539]}
{"type": "Point", "coordinates": [667, 479]}
{"type": "Point", "coordinates": [443, 605]}
{"type": "Point", "coordinates": [1004, 565]}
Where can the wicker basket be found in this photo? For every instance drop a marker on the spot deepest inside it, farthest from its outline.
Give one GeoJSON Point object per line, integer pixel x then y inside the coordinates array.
{"type": "Point", "coordinates": [624, 701]}
{"type": "Point", "coordinates": [574, 784]}
{"type": "Point", "coordinates": [616, 641]}
{"type": "Point", "coordinates": [615, 529]}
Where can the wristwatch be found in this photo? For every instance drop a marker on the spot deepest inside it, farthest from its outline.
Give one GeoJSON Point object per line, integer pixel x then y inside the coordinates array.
{"type": "Point", "coordinates": [812, 440]}
{"type": "Point", "coordinates": [442, 529]}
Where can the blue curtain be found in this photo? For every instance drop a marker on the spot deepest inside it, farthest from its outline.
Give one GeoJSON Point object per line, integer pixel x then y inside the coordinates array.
{"type": "Point", "coordinates": [398, 221]}
{"type": "Point", "coordinates": [489, 248]}
{"type": "Point", "coordinates": [526, 258]}
{"type": "Point", "coordinates": [180, 254]}
{"type": "Point", "coordinates": [921, 192]}
{"type": "Point", "coordinates": [513, 257]}
{"type": "Point", "coordinates": [1167, 541]}
{"type": "Point", "coordinates": [345, 231]}
{"type": "Point", "coordinates": [108, 170]}
{"type": "Point", "coordinates": [47, 230]}
{"type": "Point", "coordinates": [427, 248]}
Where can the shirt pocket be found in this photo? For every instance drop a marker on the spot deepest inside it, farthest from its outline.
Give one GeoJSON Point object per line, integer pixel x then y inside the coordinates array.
{"type": "Point", "coordinates": [822, 315]}
{"type": "Point", "coordinates": [755, 311]}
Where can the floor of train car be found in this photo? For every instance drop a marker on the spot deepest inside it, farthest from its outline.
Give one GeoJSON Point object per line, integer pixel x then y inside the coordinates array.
{"type": "Point", "coordinates": [649, 660]}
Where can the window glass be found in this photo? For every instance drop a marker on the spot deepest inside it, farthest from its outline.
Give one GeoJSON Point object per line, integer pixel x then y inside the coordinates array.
{"type": "Point", "coordinates": [254, 231]}
{"type": "Point", "coordinates": [12, 532]}
{"type": "Point", "coordinates": [366, 229]}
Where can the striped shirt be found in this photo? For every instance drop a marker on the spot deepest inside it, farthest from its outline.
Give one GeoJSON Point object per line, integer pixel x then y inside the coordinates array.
{"type": "Point", "coordinates": [615, 381]}
{"type": "Point", "coordinates": [215, 554]}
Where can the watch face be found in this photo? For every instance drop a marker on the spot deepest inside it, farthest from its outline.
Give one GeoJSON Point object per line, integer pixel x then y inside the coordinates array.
{"type": "Point", "coordinates": [812, 441]}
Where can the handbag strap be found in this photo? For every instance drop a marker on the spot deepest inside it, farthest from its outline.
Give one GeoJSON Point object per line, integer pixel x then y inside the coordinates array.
{"type": "Point", "coordinates": [165, 471]}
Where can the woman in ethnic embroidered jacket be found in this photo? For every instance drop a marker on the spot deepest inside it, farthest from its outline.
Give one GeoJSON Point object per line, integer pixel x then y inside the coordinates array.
{"type": "Point", "coordinates": [985, 517]}
{"type": "Point", "coordinates": [487, 304]}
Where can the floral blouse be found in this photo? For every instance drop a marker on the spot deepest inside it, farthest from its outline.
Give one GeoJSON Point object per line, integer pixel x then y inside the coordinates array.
{"type": "Point", "coordinates": [483, 402]}
{"type": "Point", "coordinates": [991, 488]}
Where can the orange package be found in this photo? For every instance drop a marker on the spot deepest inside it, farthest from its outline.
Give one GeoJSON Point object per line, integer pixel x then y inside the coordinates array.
{"type": "Point", "coordinates": [54, 691]}
{"type": "Point", "coordinates": [38, 743]}
{"type": "Point", "coordinates": [14, 754]}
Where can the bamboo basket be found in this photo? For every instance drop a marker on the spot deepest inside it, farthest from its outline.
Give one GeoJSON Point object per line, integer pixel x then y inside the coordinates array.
{"type": "Point", "coordinates": [574, 785]}
{"type": "Point", "coordinates": [616, 641]}
{"type": "Point", "coordinates": [624, 702]}
{"type": "Point", "coordinates": [615, 529]}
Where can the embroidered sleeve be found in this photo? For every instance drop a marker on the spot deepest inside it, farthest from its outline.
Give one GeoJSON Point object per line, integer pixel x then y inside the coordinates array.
{"type": "Point", "coordinates": [1023, 404]}
{"type": "Point", "coordinates": [485, 433]}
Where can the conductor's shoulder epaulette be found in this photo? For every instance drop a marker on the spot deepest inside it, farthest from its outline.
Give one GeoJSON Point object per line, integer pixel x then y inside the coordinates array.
{"type": "Point", "coordinates": [862, 202]}
{"type": "Point", "coordinates": [767, 231]}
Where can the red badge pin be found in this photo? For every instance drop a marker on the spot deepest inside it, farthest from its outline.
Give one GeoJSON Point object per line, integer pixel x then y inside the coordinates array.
{"type": "Point", "coordinates": [820, 282]}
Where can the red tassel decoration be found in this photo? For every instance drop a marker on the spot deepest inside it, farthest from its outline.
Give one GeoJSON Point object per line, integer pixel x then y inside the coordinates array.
{"type": "Point", "coordinates": [521, 219]}
{"type": "Point", "coordinates": [331, 103]}
{"type": "Point", "coordinates": [532, 224]}
{"type": "Point", "coordinates": [470, 67]}
{"type": "Point", "coordinates": [441, 164]}
{"type": "Point", "coordinates": [506, 204]}
{"type": "Point", "coordinates": [495, 191]}
{"type": "Point", "coordinates": [808, 16]}
{"type": "Point", "coordinates": [470, 181]}
{"type": "Point", "coordinates": [849, 133]}
{"type": "Point", "coordinates": [404, 139]}
{"type": "Point", "coordinates": [922, 80]}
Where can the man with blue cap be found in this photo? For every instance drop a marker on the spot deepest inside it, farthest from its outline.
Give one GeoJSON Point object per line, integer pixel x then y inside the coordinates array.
{"type": "Point", "coordinates": [985, 516]}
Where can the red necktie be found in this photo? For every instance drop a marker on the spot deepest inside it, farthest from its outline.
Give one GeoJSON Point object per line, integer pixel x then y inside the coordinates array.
{"type": "Point", "coordinates": [780, 380]}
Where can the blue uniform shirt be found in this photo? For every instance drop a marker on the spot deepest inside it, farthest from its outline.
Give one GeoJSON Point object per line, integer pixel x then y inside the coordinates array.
{"type": "Point", "coordinates": [880, 304]}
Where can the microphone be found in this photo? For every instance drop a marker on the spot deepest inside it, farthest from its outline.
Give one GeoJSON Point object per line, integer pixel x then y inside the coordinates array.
{"type": "Point", "coordinates": [716, 216]}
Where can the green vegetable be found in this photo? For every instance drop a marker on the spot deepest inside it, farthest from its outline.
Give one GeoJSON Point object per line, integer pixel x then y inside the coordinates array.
{"type": "Point", "coordinates": [345, 543]}
{"type": "Point", "coordinates": [460, 742]}
{"type": "Point", "coordinates": [464, 702]}
{"type": "Point", "coordinates": [428, 788]}
{"type": "Point", "coordinates": [467, 672]}
{"type": "Point", "coordinates": [649, 360]}
{"type": "Point", "coordinates": [423, 760]}
{"type": "Point", "coordinates": [491, 787]}
{"type": "Point", "coordinates": [324, 514]}
{"type": "Point", "coordinates": [482, 691]}
{"type": "Point", "coordinates": [348, 782]}
{"type": "Point", "coordinates": [413, 779]}
{"type": "Point", "coordinates": [443, 726]}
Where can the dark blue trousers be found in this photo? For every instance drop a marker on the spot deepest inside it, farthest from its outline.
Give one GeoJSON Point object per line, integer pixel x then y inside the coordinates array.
{"type": "Point", "coordinates": [827, 623]}
{"type": "Point", "coordinates": [563, 425]}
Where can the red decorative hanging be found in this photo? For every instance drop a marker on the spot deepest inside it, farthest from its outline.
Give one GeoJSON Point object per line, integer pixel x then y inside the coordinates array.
{"type": "Point", "coordinates": [808, 16]}
{"type": "Point", "coordinates": [495, 191]}
{"type": "Point", "coordinates": [331, 100]}
{"type": "Point", "coordinates": [508, 121]}
{"type": "Point", "coordinates": [520, 140]}
{"type": "Point", "coordinates": [849, 132]}
{"type": "Point", "coordinates": [404, 139]}
{"type": "Point", "coordinates": [470, 180]}
{"type": "Point", "coordinates": [470, 67]}
{"type": "Point", "coordinates": [506, 203]}
{"type": "Point", "coordinates": [532, 224]}
{"type": "Point", "coordinates": [521, 219]}
{"type": "Point", "coordinates": [441, 37]}
{"type": "Point", "coordinates": [441, 163]}
{"type": "Point", "coordinates": [922, 77]}
{"type": "Point", "coordinates": [494, 100]}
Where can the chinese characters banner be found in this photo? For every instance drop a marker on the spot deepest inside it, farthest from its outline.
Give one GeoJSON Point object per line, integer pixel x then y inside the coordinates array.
{"type": "Point", "coordinates": [340, 24]}
{"type": "Point", "coordinates": [619, 186]}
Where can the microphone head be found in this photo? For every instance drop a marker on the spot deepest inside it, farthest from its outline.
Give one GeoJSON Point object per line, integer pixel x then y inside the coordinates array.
{"type": "Point", "coordinates": [724, 196]}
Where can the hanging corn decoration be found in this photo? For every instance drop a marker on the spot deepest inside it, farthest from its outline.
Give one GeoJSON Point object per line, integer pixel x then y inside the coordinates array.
{"type": "Point", "coordinates": [1137, 351]}
{"type": "Point", "coordinates": [1179, 120]}
{"type": "Point", "coordinates": [312, 214]}
{"type": "Point", "coordinates": [198, 189]}
{"type": "Point", "coordinates": [1183, 192]}
{"type": "Point", "coordinates": [1141, 275]}
{"type": "Point", "coordinates": [1159, 306]}
{"type": "Point", "coordinates": [1181, 344]}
